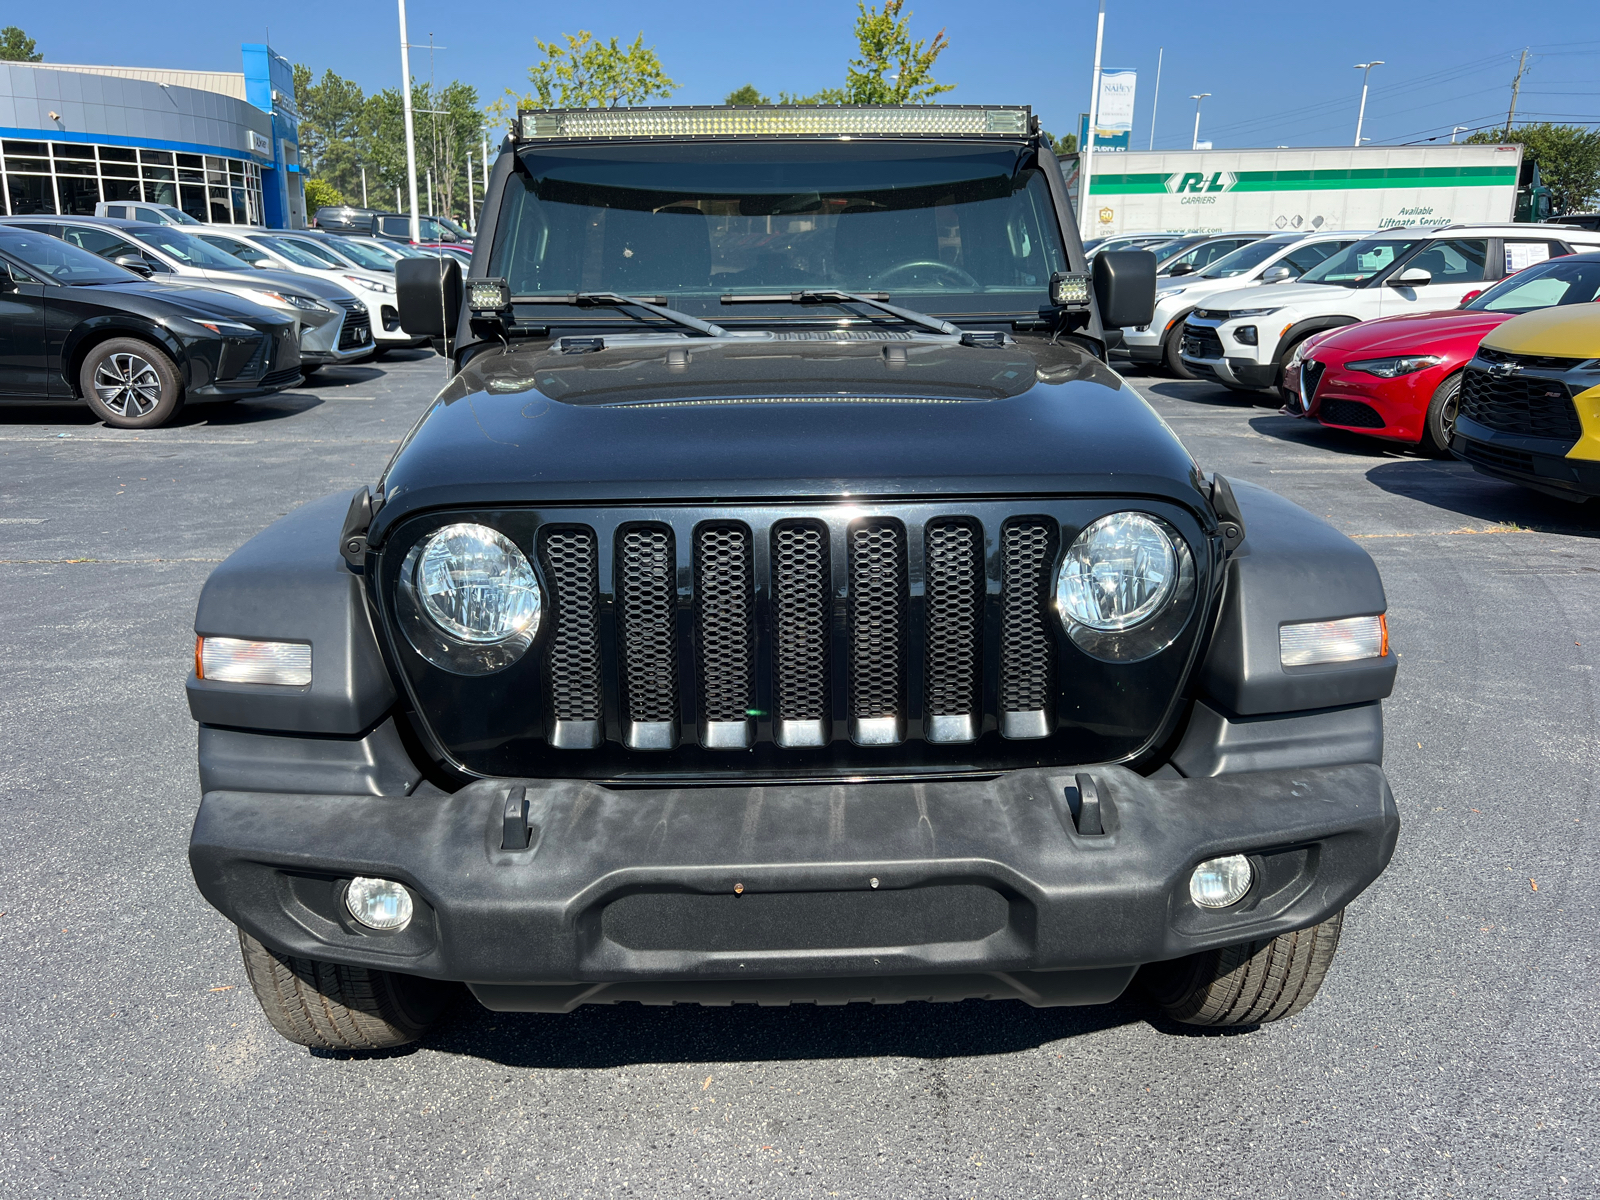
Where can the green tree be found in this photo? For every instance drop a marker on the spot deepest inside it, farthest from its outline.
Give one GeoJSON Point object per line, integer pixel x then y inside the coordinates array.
{"type": "Point", "coordinates": [16, 46]}
{"type": "Point", "coordinates": [321, 194]}
{"type": "Point", "coordinates": [746, 95]}
{"type": "Point", "coordinates": [447, 126]}
{"type": "Point", "coordinates": [1062, 145]}
{"type": "Point", "coordinates": [1568, 158]}
{"type": "Point", "coordinates": [332, 128]}
{"type": "Point", "coordinates": [588, 72]}
{"type": "Point", "coordinates": [893, 69]}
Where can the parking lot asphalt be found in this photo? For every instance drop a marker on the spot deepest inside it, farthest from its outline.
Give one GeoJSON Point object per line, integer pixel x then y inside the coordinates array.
{"type": "Point", "coordinates": [1452, 1052]}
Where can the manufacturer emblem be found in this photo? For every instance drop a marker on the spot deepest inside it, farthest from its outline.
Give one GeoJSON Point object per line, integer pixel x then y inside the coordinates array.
{"type": "Point", "coordinates": [1198, 182]}
{"type": "Point", "coordinates": [1504, 370]}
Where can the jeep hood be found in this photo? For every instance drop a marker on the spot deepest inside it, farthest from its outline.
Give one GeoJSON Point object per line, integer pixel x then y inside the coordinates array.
{"type": "Point", "coordinates": [695, 420]}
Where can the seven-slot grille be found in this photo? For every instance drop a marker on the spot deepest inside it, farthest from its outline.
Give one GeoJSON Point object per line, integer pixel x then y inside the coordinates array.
{"type": "Point", "coordinates": [866, 675]}
{"type": "Point", "coordinates": [1520, 404]}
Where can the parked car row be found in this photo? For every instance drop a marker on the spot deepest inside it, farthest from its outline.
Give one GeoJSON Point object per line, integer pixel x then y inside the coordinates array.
{"type": "Point", "coordinates": [1476, 340]}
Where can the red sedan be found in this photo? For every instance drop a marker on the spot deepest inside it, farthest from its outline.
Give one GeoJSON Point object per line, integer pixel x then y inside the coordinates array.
{"type": "Point", "coordinates": [1399, 378]}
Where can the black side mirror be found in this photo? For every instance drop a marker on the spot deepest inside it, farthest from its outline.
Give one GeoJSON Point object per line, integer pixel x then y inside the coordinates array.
{"type": "Point", "coordinates": [1182, 269]}
{"type": "Point", "coordinates": [1125, 288]}
{"type": "Point", "coordinates": [428, 295]}
{"type": "Point", "coordinates": [134, 263]}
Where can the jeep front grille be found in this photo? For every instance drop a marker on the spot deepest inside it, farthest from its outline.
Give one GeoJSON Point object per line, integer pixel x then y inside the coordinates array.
{"type": "Point", "coordinates": [574, 686]}
{"type": "Point", "coordinates": [877, 632]}
{"type": "Point", "coordinates": [1025, 644]}
{"type": "Point", "coordinates": [726, 628]}
{"type": "Point", "coordinates": [953, 642]}
{"type": "Point", "coordinates": [647, 624]}
{"type": "Point", "coordinates": [802, 606]}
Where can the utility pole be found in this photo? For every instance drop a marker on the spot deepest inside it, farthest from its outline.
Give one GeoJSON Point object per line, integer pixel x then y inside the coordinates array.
{"type": "Point", "coordinates": [472, 213]}
{"type": "Point", "coordinates": [1086, 151]}
{"type": "Point", "coordinates": [1516, 85]}
{"type": "Point", "coordinates": [1365, 69]}
{"type": "Point", "coordinates": [411, 146]}
{"type": "Point", "coordinates": [1156, 104]}
{"type": "Point", "coordinates": [430, 193]}
{"type": "Point", "coordinates": [1195, 144]}
{"type": "Point", "coordinates": [363, 185]}
{"type": "Point", "coordinates": [484, 162]}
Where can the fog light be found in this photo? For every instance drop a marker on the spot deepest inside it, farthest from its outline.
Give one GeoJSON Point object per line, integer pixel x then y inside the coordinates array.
{"type": "Point", "coordinates": [378, 903]}
{"type": "Point", "coordinates": [1245, 335]}
{"type": "Point", "coordinates": [1311, 643]}
{"type": "Point", "coordinates": [1220, 882]}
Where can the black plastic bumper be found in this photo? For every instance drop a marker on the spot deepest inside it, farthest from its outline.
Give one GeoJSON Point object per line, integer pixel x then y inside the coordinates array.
{"type": "Point", "coordinates": [783, 886]}
{"type": "Point", "coordinates": [1538, 463]}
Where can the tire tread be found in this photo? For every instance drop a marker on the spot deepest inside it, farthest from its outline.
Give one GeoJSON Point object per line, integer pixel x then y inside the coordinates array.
{"type": "Point", "coordinates": [1251, 983]}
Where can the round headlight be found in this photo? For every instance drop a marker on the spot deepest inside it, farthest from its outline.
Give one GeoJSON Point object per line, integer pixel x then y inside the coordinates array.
{"type": "Point", "coordinates": [477, 586]}
{"type": "Point", "coordinates": [1119, 573]}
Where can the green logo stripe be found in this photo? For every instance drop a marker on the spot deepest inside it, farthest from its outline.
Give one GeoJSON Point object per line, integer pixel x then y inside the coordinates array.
{"type": "Point", "coordinates": [1323, 180]}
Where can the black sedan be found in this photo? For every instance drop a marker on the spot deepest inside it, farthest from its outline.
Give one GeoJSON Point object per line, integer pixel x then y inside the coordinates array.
{"type": "Point", "coordinates": [77, 329]}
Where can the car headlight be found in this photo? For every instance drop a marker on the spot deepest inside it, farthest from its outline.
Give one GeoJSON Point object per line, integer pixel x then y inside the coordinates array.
{"type": "Point", "coordinates": [1400, 364]}
{"type": "Point", "coordinates": [1125, 587]}
{"type": "Point", "coordinates": [371, 284]}
{"type": "Point", "coordinates": [1162, 295]}
{"type": "Point", "coordinates": [210, 328]}
{"type": "Point", "coordinates": [1250, 312]}
{"type": "Point", "coordinates": [469, 600]}
{"type": "Point", "coordinates": [291, 300]}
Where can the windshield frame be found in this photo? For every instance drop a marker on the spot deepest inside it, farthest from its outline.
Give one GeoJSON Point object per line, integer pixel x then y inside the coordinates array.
{"type": "Point", "coordinates": [670, 175]}
{"type": "Point", "coordinates": [1408, 247]}
{"type": "Point", "coordinates": [1274, 249]}
{"type": "Point", "coordinates": [145, 234]}
{"type": "Point", "coordinates": [113, 273]}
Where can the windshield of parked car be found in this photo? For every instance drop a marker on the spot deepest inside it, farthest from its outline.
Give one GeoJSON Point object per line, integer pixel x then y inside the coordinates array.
{"type": "Point", "coordinates": [949, 228]}
{"type": "Point", "coordinates": [1242, 259]}
{"type": "Point", "coordinates": [453, 227]}
{"type": "Point", "coordinates": [305, 253]}
{"type": "Point", "coordinates": [1559, 281]}
{"type": "Point", "coordinates": [1358, 264]}
{"type": "Point", "coordinates": [233, 246]}
{"type": "Point", "coordinates": [188, 249]}
{"type": "Point", "coordinates": [64, 263]}
{"type": "Point", "coordinates": [364, 256]}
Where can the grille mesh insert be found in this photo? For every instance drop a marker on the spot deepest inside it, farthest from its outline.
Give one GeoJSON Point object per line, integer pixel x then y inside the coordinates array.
{"type": "Point", "coordinates": [1522, 404]}
{"type": "Point", "coordinates": [1028, 546]}
{"type": "Point", "coordinates": [954, 615]}
{"type": "Point", "coordinates": [800, 609]}
{"type": "Point", "coordinates": [877, 619]}
{"type": "Point", "coordinates": [646, 614]}
{"type": "Point", "coordinates": [726, 622]}
{"type": "Point", "coordinates": [571, 564]}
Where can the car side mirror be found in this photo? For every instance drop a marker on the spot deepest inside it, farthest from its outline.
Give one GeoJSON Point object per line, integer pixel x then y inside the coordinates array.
{"type": "Point", "coordinates": [428, 295]}
{"type": "Point", "coordinates": [134, 263]}
{"type": "Point", "coordinates": [1182, 269]}
{"type": "Point", "coordinates": [1411, 277]}
{"type": "Point", "coordinates": [1125, 288]}
{"type": "Point", "coordinates": [1277, 275]}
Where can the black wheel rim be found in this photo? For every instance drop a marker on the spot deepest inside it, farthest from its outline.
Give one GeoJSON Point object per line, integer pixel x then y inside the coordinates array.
{"type": "Point", "coordinates": [128, 385]}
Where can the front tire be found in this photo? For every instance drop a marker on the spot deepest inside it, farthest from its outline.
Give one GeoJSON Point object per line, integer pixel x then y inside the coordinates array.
{"type": "Point", "coordinates": [1439, 423]}
{"type": "Point", "coordinates": [130, 384]}
{"type": "Point", "coordinates": [328, 1006]}
{"type": "Point", "coordinates": [1248, 984]}
{"type": "Point", "coordinates": [1172, 354]}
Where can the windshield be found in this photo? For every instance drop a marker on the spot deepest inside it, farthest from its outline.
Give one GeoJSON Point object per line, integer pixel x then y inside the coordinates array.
{"type": "Point", "coordinates": [1560, 281]}
{"type": "Point", "coordinates": [189, 250]}
{"type": "Point", "coordinates": [1356, 265]}
{"type": "Point", "coordinates": [178, 216]}
{"type": "Point", "coordinates": [1242, 260]}
{"type": "Point", "coordinates": [62, 262]}
{"type": "Point", "coordinates": [308, 254]}
{"type": "Point", "coordinates": [947, 228]}
{"type": "Point", "coordinates": [447, 223]}
{"type": "Point", "coordinates": [365, 256]}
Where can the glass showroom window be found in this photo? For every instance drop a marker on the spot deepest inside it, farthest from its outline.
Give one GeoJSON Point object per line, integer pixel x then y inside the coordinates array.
{"type": "Point", "coordinates": [72, 177]}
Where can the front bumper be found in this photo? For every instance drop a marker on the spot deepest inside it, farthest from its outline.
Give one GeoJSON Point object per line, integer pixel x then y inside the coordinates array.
{"type": "Point", "coordinates": [1538, 463]}
{"type": "Point", "coordinates": [1240, 372]}
{"type": "Point", "coordinates": [889, 890]}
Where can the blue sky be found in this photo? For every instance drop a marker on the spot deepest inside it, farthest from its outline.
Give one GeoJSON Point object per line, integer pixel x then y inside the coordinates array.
{"type": "Point", "coordinates": [1279, 73]}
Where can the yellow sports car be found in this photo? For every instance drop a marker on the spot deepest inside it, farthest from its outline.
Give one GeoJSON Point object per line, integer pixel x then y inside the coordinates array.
{"type": "Point", "coordinates": [1530, 402]}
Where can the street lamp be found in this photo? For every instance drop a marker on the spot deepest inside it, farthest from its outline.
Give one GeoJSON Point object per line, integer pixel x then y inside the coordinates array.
{"type": "Point", "coordinates": [1456, 130]}
{"type": "Point", "coordinates": [1365, 69]}
{"type": "Point", "coordinates": [411, 146]}
{"type": "Point", "coordinates": [1196, 144]}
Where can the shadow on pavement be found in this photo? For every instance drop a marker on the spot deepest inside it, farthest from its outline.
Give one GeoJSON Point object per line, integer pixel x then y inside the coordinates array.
{"type": "Point", "coordinates": [1297, 432]}
{"type": "Point", "coordinates": [598, 1036]}
{"type": "Point", "coordinates": [1455, 487]}
{"type": "Point", "coordinates": [1211, 395]}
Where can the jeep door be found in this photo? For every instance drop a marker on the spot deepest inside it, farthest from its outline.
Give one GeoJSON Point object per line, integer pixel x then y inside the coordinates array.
{"type": "Point", "coordinates": [1455, 266]}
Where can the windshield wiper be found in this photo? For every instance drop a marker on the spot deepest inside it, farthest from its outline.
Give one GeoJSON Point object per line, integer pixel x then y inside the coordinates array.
{"type": "Point", "coordinates": [830, 296]}
{"type": "Point", "coordinates": [617, 300]}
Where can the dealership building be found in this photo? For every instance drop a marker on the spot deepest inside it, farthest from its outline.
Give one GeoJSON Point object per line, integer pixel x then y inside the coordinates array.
{"type": "Point", "coordinates": [223, 147]}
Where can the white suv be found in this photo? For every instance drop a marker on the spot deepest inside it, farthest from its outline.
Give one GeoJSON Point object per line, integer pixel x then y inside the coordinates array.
{"type": "Point", "coordinates": [1244, 338]}
{"type": "Point", "coordinates": [1275, 260]}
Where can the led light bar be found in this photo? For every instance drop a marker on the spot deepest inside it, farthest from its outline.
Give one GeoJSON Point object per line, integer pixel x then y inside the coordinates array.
{"type": "Point", "coordinates": [1069, 291]}
{"type": "Point", "coordinates": [1312, 643]}
{"type": "Point", "coordinates": [235, 660]}
{"type": "Point", "coordinates": [944, 120]}
{"type": "Point", "coordinates": [489, 295]}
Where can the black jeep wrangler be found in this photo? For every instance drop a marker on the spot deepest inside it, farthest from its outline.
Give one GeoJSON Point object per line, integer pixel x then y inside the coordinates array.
{"type": "Point", "coordinates": [784, 601]}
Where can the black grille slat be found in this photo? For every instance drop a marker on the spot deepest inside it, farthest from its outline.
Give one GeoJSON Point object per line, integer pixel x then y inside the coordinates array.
{"type": "Point", "coordinates": [954, 610]}
{"type": "Point", "coordinates": [572, 568]}
{"type": "Point", "coordinates": [1350, 413]}
{"type": "Point", "coordinates": [647, 622]}
{"type": "Point", "coordinates": [725, 619]}
{"type": "Point", "coordinates": [1496, 456]}
{"type": "Point", "coordinates": [1202, 341]}
{"type": "Point", "coordinates": [1026, 648]}
{"type": "Point", "coordinates": [801, 617]}
{"type": "Point", "coordinates": [1538, 362]}
{"type": "Point", "coordinates": [877, 626]}
{"type": "Point", "coordinates": [1520, 404]}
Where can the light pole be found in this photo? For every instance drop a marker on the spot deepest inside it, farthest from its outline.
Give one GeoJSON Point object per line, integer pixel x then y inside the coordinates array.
{"type": "Point", "coordinates": [1195, 145]}
{"type": "Point", "coordinates": [363, 185]}
{"type": "Point", "coordinates": [1456, 130]}
{"type": "Point", "coordinates": [472, 213]}
{"type": "Point", "coordinates": [1365, 69]}
{"type": "Point", "coordinates": [1086, 151]}
{"type": "Point", "coordinates": [411, 149]}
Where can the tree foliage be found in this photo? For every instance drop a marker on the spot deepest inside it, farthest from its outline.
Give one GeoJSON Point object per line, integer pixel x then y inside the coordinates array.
{"type": "Point", "coordinates": [1062, 145]}
{"type": "Point", "coordinates": [587, 72]}
{"type": "Point", "coordinates": [893, 68]}
{"type": "Point", "coordinates": [746, 95]}
{"type": "Point", "coordinates": [1568, 158]}
{"type": "Point", "coordinates": [321, 194]}
{"type": "Point", "coordinates": [16, 46]}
